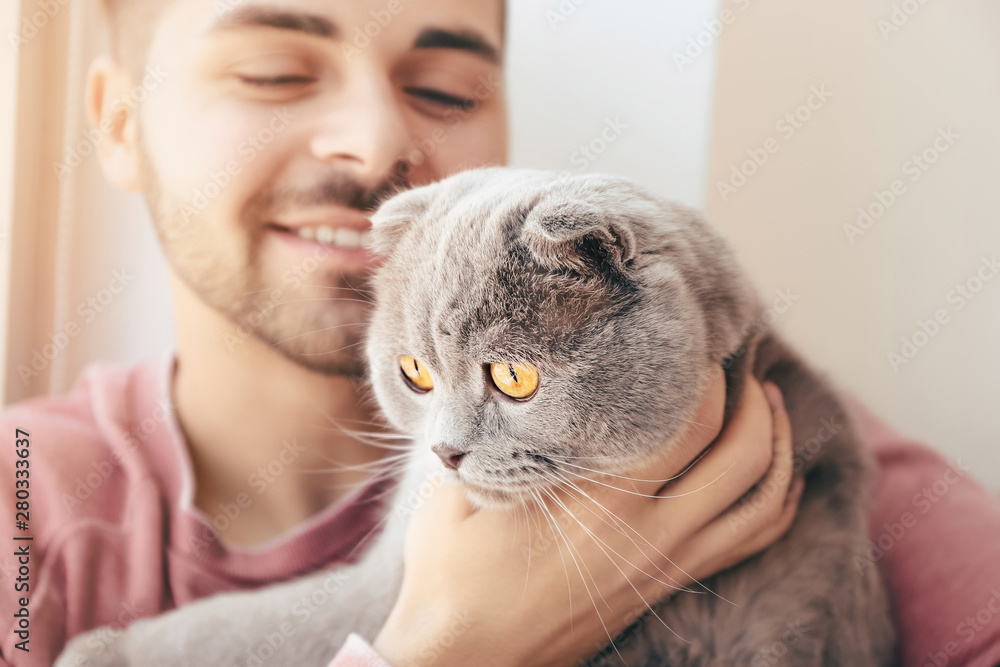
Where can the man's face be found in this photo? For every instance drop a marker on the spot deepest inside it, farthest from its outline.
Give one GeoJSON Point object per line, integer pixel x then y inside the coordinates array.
{"type": "Point", "coordinates": [279, 122]}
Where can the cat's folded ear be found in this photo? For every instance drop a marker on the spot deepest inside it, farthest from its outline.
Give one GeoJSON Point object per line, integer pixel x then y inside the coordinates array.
{"type": "Point", "coordinates": [396, 215]}
{"type": "Point", "coordinates": [571, 229]}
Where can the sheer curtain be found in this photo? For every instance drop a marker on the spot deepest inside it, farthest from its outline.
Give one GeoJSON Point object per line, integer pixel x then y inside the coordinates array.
{"type": "Point", "coordinates": [82, 277]}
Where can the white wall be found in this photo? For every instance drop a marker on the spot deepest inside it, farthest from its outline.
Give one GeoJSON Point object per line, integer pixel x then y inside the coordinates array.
{"type": "Point", "coordinates": [580, 68]}
{"type": "Point", "coordinates": [892, 91]}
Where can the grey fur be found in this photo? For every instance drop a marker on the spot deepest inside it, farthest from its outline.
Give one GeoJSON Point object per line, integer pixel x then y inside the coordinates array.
{"type": "Point", "coordinates": [623, 301]}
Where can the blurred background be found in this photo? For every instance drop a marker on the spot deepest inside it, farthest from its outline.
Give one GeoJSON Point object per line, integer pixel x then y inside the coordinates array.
{"type": "Point", "coordinates": [849, 151]}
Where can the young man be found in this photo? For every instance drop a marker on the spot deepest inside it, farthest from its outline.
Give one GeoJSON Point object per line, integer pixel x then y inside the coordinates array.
{"type": "Point", "coordinates": [277, 126]}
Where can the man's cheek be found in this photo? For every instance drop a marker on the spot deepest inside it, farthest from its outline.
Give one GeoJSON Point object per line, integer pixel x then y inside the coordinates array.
{"type": "Point", "coordinates": [475, 143]}
{"type": "Point", "coordinates": [199, 155]}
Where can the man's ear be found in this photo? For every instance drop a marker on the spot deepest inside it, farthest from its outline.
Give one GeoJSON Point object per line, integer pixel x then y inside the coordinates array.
{"type": "Point", "coordinates": [116, 120]}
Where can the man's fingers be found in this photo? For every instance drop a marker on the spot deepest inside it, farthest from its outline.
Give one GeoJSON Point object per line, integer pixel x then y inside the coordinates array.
{"type": "Point", "coordinates": [703, 427]}
{"type": "Point", "coordinates": [737, 461]}
{"type": "Point", "coordinates": [760, 518]}
{"type": "Point", "coordinates": [740, 533]}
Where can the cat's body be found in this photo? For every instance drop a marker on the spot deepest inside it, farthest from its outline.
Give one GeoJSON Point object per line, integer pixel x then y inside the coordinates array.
{"type": "Point", "coordinates": [622, 302]}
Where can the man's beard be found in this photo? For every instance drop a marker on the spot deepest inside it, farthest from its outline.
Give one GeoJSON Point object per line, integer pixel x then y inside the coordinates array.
{"type": "Point", "coordinates": [314, 316]}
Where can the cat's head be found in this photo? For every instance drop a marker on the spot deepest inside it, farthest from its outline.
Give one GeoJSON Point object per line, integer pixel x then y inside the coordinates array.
{"type": "Point", "coordinates": [533, 324]}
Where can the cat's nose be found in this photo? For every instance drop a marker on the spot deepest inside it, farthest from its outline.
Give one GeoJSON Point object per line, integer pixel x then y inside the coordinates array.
{"type": "Point", "coordinates": [449, 456]}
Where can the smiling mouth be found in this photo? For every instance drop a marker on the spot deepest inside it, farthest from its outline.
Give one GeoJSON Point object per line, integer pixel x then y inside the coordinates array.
{"type": "Point", "coordinates": [326, 235]}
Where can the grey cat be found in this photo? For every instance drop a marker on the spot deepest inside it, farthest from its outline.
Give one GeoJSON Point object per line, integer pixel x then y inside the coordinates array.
{"type": "Point", "coordinates": [620, 303]}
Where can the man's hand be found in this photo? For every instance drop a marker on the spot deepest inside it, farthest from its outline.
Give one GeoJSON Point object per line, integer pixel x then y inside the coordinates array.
{"type": "Point", "coordinates": [551, 584]}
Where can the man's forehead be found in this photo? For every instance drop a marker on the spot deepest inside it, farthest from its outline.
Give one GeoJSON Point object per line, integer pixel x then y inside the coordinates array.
{"type": "Point", "coordinates": [437, 24]}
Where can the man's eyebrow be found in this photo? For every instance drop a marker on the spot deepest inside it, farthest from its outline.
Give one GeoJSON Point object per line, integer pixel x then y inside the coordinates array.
{"type": "Point", "coordinates": [262, 16]}
{"type": "Point", "coordinates": [472, 42]}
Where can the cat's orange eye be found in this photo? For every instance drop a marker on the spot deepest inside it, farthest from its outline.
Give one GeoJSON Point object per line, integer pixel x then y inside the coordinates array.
{"type": "Point", "coordinates": [416, 374]}
{"type": "Point", "coordinates": [517, 380]}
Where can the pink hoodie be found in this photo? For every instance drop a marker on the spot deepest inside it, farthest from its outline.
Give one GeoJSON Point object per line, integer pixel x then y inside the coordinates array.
{"type": "Point", "coordinates": [115, 536]}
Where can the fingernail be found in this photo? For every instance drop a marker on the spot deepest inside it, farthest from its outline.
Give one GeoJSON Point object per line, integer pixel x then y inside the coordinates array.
{"type": "Point", "coordinates": [798, 485]}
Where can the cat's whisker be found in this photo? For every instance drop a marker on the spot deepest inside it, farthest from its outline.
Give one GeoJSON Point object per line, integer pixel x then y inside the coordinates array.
{"type": "Point", "coordinates": [371, 440]}
{"type": "Point", "coordinates": [630, 479]}
{"type": "Point", "coordinates": [547, 515]}
{"type": "Point", "coordinates": [586, 586]}
{"type": "Point", "coordinates": [600, 545]}
{"type": "Point", "coordinates": [322, 298]}
{"type": "Point", "coordinates": [385, 436]}
{"type": "Point", "coordinates": [362, 436]}
{"type": "Point", "coordinates": [339, 349]}
{"type": "Point", "coordinates": [316, 331]}
{"type": "Point", "coordinates": [624, 523]}
{"type": "Point", "coordinates": [610, 486]}
{"type": "Point", "coordinates": [360, 290]}
{"type": "Point", "coordinates": [527, 525]}
{"type": "Point", "coordinates": [536, 525]}
{"type": "Point", "coordinates": [361, 467]}
{"type": "Point", "coordinates": [569, 486]}
{"type": "Point", "coordinates": [602, 456]}
{"type": "Point", "coordinates": [646, 495]}
{"type": "Point", "coordinates": [694, 423]}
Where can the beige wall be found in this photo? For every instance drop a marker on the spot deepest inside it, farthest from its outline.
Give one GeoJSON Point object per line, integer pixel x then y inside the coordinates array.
{"type": "Point", "coordinates": [861, 290]}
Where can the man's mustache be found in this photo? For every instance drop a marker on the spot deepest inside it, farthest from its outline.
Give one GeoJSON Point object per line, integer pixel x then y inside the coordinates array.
{"type": "Point", "coordinates": [336, 190]}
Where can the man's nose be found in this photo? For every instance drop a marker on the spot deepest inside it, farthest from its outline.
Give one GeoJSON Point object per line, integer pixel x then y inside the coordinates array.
{"type": "Point", "coordinates": [449, 456]}
{"type": "Point", "coordinates": [365, 130]}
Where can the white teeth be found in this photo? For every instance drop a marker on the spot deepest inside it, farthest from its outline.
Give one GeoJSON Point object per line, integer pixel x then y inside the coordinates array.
{"type": "Point", "coordinates": [347, 238]}
{"type": "Point", "coordinates": [342, 237]}
{"type": "Point", "coordinates": [325, 234]}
